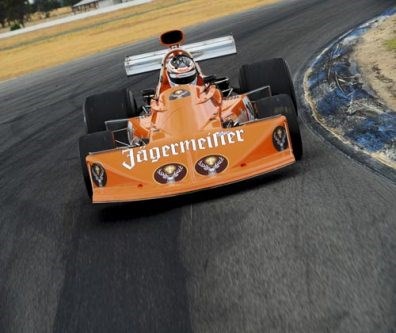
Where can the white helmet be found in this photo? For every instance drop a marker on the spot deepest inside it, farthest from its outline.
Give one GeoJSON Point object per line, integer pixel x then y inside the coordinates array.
{"type": "Point", "coordinates": [181, 70]}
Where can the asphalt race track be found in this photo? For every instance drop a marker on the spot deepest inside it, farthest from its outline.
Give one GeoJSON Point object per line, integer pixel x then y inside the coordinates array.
{"type": "Point", "coordinates": [311, 248]}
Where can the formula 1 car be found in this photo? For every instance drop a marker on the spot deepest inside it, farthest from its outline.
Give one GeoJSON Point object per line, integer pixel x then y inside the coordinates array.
{"type": "Point", "coordinates": [194, 131]}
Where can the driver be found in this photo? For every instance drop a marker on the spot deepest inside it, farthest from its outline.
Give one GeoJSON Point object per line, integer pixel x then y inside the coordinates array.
{"type": "Point", "coordinates": [181, 69]}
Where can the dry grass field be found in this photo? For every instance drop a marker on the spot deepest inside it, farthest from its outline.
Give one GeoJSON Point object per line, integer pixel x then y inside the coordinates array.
{"type": "Point", "coordinates": [56, 45]}
{"type": "Point", "coordinates": [54, 14]}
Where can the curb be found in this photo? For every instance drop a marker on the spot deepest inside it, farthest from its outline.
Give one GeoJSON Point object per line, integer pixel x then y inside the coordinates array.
{"type": "Point", "coordinates": [341, 108]}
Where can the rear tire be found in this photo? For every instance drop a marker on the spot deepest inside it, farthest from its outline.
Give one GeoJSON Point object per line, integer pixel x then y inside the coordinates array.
{"type": "Point", "coordinates": [272, 72]}
{"type": "Point", "coordinates": [97, 109]}
{"type": "Point", "coordinates": [282, 105]}
{"type": "Point", "coordinates": [91, 143]}
{"type": "Point", "coordinates": [132, 108]}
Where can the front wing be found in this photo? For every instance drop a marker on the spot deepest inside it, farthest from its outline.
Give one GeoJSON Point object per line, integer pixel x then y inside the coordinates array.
{"type": "Point", "coordinates": [169, 166]}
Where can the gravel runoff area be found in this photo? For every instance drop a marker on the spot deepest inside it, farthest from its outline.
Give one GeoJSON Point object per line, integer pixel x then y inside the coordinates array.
{"type": "Point", "coordinates": [73, 17]}
{"type": "Point", "coordinates": [345, 103]}
{"type": "Point", "coordinates": [377, 61]}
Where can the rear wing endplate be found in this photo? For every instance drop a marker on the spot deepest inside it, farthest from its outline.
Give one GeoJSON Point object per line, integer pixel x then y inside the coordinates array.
{"type": "Point", "coordinates": [208, 49]}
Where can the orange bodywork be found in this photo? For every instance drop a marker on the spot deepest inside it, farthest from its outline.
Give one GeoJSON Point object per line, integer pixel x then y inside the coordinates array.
{"type": "Point", "coordinates": [188, 147]}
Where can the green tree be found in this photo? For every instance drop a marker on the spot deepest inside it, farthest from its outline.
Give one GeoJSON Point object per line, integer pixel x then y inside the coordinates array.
{"type": "Point", "coordinates": [17, 11]}
{"type": "Point", "coordinates": [70, 2]}
{"type": "Point", "coordinates": [46, 6]}
{"type": "Point", "coordinates": [3, 13]}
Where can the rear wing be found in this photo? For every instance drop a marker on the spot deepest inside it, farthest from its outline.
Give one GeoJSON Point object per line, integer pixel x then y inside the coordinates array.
{"type": "Point", "coordinates": [208, 49]}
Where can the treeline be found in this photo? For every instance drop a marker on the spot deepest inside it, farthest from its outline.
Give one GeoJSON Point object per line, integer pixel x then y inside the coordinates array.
{"type": "Point", "coordinates": [15, 13]}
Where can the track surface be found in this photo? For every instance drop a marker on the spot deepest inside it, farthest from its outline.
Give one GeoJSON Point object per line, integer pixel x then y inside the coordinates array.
{"type": "Point", "coordinates": [311, 248]}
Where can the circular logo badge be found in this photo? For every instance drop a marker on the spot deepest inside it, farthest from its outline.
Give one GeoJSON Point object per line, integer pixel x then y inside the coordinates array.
{"type": "Point", "coordinates": [211, 165]}
{"type": "Point", "coordinates": [279, 138]}
{"type": "Point", "coordinates": [99, 176]}
{"type": "Point", "coordinates": [180, 93]}
{"type": "Point", "coordinates": [170, 173]}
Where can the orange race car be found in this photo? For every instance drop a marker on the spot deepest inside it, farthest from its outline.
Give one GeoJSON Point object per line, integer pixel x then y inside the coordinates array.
{"type": "Point", "coordinates": [194, 131]}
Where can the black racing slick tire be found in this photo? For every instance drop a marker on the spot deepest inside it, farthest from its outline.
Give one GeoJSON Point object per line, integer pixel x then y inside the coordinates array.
{"type": "Point", "coordinates": [118, 104]}
{"type": "Point", "coordinates": [272, 72]}
{"type": "Point", "coordinates": [132, 108]}
{"type": "Point", "coordinates": [282, 105]}
{"type": "Point", "coordinates": [91, 143]}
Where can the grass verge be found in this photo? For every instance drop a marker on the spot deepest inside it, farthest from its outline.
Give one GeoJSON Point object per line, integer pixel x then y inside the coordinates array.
{"type": "Point", "coordinates": [391, 44]}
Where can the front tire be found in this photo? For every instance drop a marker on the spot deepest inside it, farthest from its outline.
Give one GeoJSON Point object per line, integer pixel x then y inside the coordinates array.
{"type": "Point", "coordinates": [118, 104]}
{"type": "Point", "coordinates": [282, 105]}
{"type": "Point", "coordinates": [272, 72]}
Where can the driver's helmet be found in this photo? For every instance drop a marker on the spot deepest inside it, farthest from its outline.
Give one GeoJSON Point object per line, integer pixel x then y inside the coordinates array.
{"type": "Point", "coordinates": [181, 69]}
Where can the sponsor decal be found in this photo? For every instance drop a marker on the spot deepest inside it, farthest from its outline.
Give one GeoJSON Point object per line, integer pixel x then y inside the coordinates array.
{"type": "Point", "coordinates": [136, 156]}
{"type": "Point", "coordinates": [180, 93]}
{"type": "Point", "coordinates": [211, 165]}
{"type": "Point", "coordinates": [279, 138]}
{"type": "Point", "coordinates": [170, 173]}
{"type": "Point", "coordinates": [98, 175]}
